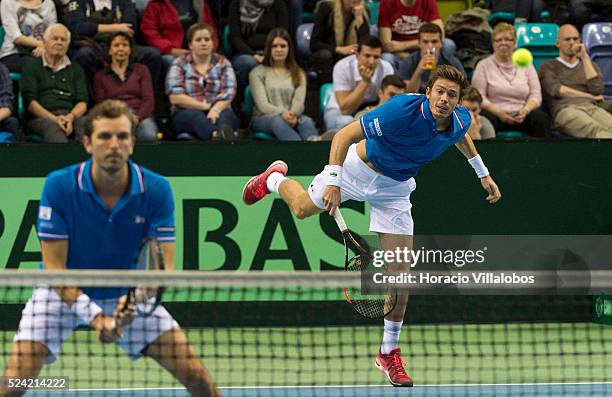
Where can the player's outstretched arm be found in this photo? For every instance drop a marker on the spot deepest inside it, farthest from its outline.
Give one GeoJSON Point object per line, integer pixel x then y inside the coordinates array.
{"type": "Point", "coordinates": [339, 148]}
{"type": "Point", "coordinates": [467, 148]}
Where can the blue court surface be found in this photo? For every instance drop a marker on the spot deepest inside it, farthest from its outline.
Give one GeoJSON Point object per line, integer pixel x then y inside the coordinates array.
{"type": "Point", "coordinates": [508, 390]}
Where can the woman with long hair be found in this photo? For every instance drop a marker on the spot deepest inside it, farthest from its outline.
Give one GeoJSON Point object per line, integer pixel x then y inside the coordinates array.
{"type": "Point", "coordinates": [127, 81]}
{"type": "Point", "coordinates": [249, 22]}
{"type": "Point", "coordinates": [279, 91]}
{"type": "Point", "coordinates": [201, 85]}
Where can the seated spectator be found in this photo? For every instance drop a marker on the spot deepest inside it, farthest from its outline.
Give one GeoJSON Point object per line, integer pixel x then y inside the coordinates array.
{"type": "Point", "coordinates": [573, 86]}
{"type": "Point", "coordinates": [55, 90]}
{"type": "Point", "coordinates": [511, 96]}
{"type": "Point", "coordinates": [93, 21]}
{"type": "Point", "coordinates": [279, 92]}
{"type": "Point", "coordinates": [339, 25]}
{"type": "Point", "coordinates": [417, 67]}
{"type": "Point", "coordinates": [472, 100]}
{"type": "Point", "coordinates": [357, 79]}
{"type": "Point", "coordinates": [201, 85]}
{"type": "Point", "coordinates": [250, 21]}
{"type": "Point", "coordinates": [127, 81]}
{"type": "Point", "coordinates": [391, 86]}
{"type": "Point", "coordinates": [8, 123]}
{"type": "Point", "coordinates": [398, 27]}
{"type": "Point", "coordinates": [164, 23]}
{"type": "Point", "coordinates": [24, 24]}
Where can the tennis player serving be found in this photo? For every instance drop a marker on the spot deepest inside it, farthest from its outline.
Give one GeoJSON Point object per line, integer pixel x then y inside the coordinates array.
{"type": "Point", "coordinates": [375, 160]}
{"type": "Point", "coordinates": [94, 215]}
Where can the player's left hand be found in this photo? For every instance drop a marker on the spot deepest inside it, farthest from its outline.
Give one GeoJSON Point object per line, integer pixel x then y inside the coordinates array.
{"type": "Point", "coordinates": [124, 317]}
{"type": "Point", "coordinates": [491, 187]}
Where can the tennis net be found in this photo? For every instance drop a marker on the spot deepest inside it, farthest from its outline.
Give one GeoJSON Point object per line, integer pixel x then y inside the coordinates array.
{"type": "Point", "coordinates": [293, 334]}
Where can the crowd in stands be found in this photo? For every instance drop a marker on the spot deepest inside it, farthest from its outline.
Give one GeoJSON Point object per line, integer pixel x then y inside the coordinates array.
{"type": "Point", "coordinates": [183, 65]}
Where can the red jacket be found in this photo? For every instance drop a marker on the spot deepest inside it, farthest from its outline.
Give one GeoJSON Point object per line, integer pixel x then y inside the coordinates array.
{"type": "Point", "coordinates": [162, 29]}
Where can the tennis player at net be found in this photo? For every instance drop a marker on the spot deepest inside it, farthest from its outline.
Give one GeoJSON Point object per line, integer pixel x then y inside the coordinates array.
{"type": "Point", "coordinates": [375, 160]}
{"type": "Point", "coordinates": [94, 215]}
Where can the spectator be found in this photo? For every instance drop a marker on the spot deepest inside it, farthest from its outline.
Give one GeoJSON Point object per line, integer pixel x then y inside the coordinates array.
{"type": "Point", "coordinates": [398, 27]}
{"type": "Point", "coordinates": [55, 90]}
{"type": "Point", "coordinates": [339, 25]}
{"type": "Point", "coordinates": [357, 79]}
{"type": "Point", "coordinates": [511, 96]}
{"type": "Point", "coordinates": [93, 21]}
{"type": "Point", "coordinates": [416, 68]}
{"type": "Point", "coordinates": [127, 81]}
{"type": "Point", "coordinates": [24, 25]}
{"type": "Point", "coordinates": [572, 87]}
{"type": "Point", "coordinates": [164, 23]}
{"type": "Point", "coordinates": [472, 100]}
{"type": "Point", "coordinates": [201, 85]}
{"type": "Point", "coordinates": [279, 92]}
{"type": "Point", "coordinates": [250, 21]}
{"type": "Point", "coordinates": [390, 86]}
{"type": "Point", "coordinates": [8, 123]}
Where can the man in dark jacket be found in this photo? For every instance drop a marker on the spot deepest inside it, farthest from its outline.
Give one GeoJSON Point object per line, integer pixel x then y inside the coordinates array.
{"type": "Point", "coordinates": [91, 23]}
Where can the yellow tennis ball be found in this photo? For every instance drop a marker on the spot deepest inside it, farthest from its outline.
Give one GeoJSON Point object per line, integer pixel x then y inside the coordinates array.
{"type": "Point", "coordinates": [522, 58]}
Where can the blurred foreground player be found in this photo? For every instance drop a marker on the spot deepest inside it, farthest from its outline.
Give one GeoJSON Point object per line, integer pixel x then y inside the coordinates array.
{"type": "Point", "coordinates": [94, 215]}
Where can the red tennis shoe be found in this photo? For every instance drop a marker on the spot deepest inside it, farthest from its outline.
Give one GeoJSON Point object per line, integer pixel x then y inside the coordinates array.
{"type": "Point", "coordinates": [256, 189]}
{"type": "Point", "coordinates": [392, 365]}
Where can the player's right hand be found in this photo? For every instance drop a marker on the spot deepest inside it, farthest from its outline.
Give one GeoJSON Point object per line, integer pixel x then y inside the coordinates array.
{"type": "Point", "coordinates": [106, 328]}
{"type": "Point", "coordinates": [331, 198]}
{"type": "Point", "coordinates": [366, 73]}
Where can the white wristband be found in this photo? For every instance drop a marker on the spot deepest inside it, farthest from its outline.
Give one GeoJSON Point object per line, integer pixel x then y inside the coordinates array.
{"type": "Point", "coordinates": [85, 309]}
{"type": "Point", "coordinates": [478, 166]}
{"type": "Point", "coordinates": [334, 174]}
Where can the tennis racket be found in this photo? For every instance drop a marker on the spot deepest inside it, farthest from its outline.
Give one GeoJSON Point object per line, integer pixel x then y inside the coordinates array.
{"type": "Point", "coordinates": [143, 300]}
{"type": "Point", "coordinates": [376, 305]}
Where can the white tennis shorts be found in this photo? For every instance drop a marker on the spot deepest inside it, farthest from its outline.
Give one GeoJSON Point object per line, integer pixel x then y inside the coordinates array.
{"type": "Point", "coordinates": [389, 199]}
{"type": "Point", "coordinates": [48, 320]}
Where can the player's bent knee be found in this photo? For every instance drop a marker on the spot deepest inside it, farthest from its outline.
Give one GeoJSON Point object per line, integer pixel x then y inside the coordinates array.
{"type": "Point", "coordinates": [305, 208]}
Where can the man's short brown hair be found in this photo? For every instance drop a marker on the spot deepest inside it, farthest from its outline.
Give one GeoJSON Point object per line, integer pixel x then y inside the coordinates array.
{"type": "Point", "coordinates": [392, 80]}
{"type": "Point", "coordinates": [450, 73]}
{"type": "Point", "coordinates": [472, 94]}
{"type": "Point", "coordinates": [110, 109]}
{"type": "Point", "coordinates": [430, 28]}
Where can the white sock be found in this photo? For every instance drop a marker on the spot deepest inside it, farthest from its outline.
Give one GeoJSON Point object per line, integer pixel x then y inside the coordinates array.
{"type": "Point", "coordinates": [273, 181]}
{"type": "Point", "coordinates": [390, 336]}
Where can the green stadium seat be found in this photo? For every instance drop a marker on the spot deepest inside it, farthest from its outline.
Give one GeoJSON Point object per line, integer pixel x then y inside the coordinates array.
{"type": "Point", "coordinates": [247, 108]}
{"type": "Point", "coordinates": [308, 17]}
{"type": "Point", "coordinates": [539, 38]}
{"type": "Point", "coordinates": [509, 134]}
{"type": "Point", "coordinates": [373, 7]}
{"type": "Point", "coordinates": [497, 17]}
{"type": "Point", "coordinates": [225, 42]}
{"type": "Point", "coordinates": [325, 92]}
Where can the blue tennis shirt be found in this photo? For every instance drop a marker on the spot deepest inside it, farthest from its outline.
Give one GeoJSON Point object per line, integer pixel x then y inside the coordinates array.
{"type": "Point", "coordinates": [71, 209]}
{"type": "Point", "coordinates": [401, 135]}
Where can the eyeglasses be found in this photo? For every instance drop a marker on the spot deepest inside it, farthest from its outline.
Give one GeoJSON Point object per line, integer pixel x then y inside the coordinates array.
{"type": "Point", "coordinates": [503, 39]}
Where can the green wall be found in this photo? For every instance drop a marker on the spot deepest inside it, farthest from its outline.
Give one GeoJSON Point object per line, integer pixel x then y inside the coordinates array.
{"type": "Point", "coordinates": [549, 187]}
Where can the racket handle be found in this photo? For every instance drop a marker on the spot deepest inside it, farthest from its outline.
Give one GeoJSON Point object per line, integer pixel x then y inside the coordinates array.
{"type": "Point", "coordinates": [340, 220]}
